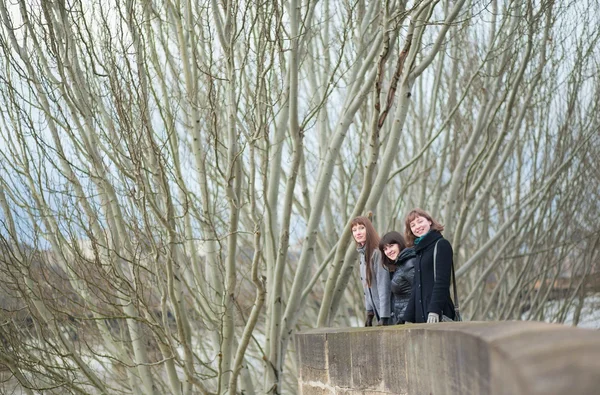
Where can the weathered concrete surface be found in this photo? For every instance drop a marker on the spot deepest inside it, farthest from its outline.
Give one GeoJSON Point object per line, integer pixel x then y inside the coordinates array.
{"type": "Point", "coordinates": [471, 358]}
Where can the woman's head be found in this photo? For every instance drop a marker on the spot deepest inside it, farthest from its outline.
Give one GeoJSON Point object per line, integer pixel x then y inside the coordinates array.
{"type": "Point", "coordinates": [364, 234]}
{"type": "Point", "coordinates": [390, 245]}
{"type": "Point", "coordinates": [418, 222]}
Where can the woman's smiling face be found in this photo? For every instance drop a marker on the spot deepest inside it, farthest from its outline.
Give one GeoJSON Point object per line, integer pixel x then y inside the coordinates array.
{"type": "Point", "coordinates": [391, 251]}
{"type": "Point", "coordinates": [420, 226]}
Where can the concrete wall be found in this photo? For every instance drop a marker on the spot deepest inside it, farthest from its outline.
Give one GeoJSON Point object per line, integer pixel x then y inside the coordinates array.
{"type": "Point", "coordinates": [475, 358]}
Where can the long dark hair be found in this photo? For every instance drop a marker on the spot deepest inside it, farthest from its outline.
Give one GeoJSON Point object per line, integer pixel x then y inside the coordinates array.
{"type": "Point", "coordinates": [414, 213]}
{"type": "Point", "coordinates": [370, 244]}
{"type": "Point", "coordinates": [392, 237]}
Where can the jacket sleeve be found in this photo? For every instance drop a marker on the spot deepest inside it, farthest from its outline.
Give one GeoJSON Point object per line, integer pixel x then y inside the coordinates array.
{"type": "Point", "coordinates": [408, 276]}
{"type": "Point", "coordinates": [368, 304]}
{"type": "Point", "coordinates": [366, 293]}
{"type": "Point", "coordinates": [443, 270]}
{"type": "Point", "coordinates": [383, 285]}
{"type": "Point", "coordinates": [409, 313]}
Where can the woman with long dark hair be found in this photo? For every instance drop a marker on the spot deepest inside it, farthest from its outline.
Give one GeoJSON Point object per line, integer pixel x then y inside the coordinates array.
{"type": "Point", "coordinates": [430, 299]}
{"type": "Point", "coordinates": [374, 276]}
{"type": "Point", "coordinates": [400, 262]}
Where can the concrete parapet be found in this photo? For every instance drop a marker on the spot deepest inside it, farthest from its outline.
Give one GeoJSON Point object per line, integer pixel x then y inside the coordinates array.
{"type": "Point", "coordinates": [504, 358]}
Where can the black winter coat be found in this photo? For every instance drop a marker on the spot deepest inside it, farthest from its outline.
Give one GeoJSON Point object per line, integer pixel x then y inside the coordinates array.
{"type": "Point", "coordinates": [401, 284]}
{"type": "Point", "coordinates": [428, 296]}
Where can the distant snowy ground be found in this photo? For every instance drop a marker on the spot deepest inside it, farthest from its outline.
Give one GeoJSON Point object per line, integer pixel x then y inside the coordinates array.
{"type": "Point", "coordinates": [590, 313]}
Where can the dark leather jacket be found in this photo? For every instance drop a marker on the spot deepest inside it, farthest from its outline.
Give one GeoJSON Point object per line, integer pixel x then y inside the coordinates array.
{"type": "Point", "coordinates": [401, 283]}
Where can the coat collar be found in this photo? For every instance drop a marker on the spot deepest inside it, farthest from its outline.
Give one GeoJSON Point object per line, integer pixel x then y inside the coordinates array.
{"type": "Point", "coordinates": [405, 255]}
{"type": "Point", "coordinates": [428, 240]}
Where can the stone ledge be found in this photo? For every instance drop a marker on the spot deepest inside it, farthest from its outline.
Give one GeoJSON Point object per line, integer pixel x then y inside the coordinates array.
{"type": "Point", "coordinates": [513, 357]}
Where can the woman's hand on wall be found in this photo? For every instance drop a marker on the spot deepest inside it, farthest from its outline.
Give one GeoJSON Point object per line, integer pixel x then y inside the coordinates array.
{"type": "Point", "coordinates": [433, 318]}
{"type": "Point", "coordinates": [369, 319]}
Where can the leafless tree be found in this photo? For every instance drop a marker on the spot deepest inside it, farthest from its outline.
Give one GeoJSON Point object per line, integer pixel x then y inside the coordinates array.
{"type": "Point", "coordinates": [177, 178]}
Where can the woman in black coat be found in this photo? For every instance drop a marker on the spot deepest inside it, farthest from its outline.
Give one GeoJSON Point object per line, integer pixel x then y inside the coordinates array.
{"type": "Point", "coordinates": [430, 298]}
{"type": "Point", "coordinates": [400, 262]}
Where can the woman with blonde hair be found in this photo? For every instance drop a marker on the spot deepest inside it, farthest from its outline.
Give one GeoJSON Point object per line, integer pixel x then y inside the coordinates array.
{"type": "Point", "coordinates": [430, 299]}
{"type": "Point", "coordinates": [374, 276]}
